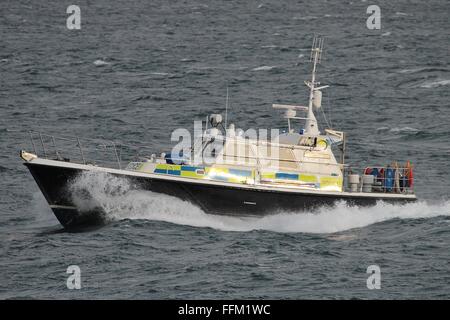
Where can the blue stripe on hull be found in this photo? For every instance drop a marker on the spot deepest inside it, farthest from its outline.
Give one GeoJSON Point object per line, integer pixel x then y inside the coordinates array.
{"type": "Point", "coordinates": [289, 176]}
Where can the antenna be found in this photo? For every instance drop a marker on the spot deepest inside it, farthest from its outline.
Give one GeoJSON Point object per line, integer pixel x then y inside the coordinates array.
{"type": "Point", "coordinates": [317, 46]}
{"type": "Point", "coordinates": [226, 111]}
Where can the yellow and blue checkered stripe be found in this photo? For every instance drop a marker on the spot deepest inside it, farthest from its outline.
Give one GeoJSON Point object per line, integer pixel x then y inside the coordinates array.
{"type": "Point", "coordinates": [230, 174]}
{"type": "Point", "coordinates": [214, 173]}
{"type": "Point", "coordinates": [314, 181]}
{"type": "Point", "coordinates": [332, 183]}
{"type": "Point", "coordinates": [180, 170]}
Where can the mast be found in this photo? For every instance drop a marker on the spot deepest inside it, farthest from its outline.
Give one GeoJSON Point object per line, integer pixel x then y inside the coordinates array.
{"type": "Point", "coordinates": [315, 95]}
{"type": "Point", "coordinates": [311, 126]}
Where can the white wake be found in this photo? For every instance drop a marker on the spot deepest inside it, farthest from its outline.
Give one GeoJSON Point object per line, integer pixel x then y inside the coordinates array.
{"type": "Point", "coordinates": [120, 200]}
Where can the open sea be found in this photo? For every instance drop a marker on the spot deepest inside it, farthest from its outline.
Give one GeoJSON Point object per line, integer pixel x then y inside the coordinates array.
{"type": "Point", "coordinates": [137, 70]}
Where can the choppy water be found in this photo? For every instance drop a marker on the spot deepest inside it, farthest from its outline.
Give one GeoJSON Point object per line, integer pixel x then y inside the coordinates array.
{"type": "Point", "coordinates": [139, 69]}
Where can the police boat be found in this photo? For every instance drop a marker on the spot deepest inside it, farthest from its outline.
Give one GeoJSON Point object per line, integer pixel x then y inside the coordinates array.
{"type": "Point", "coordinates": [227, 172]}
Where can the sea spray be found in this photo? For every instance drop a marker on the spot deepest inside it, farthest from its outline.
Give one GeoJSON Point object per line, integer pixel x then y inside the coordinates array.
{"type": "Point", "coordinates": [120, 200]}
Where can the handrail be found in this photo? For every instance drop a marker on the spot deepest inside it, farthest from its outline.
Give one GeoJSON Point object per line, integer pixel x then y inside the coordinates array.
{"type": "Point", "coordinates": [61, 151]}
{"type": "Point", "coordinates": [72, 138]}
{"type": "Point", "coordinates": [246, 141]}
{"type": "Point", "coordinates": [281, 159]}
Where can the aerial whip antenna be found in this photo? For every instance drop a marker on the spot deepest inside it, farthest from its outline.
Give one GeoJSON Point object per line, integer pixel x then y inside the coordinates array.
{"type": "Point", "coordinates": [226, 111]}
